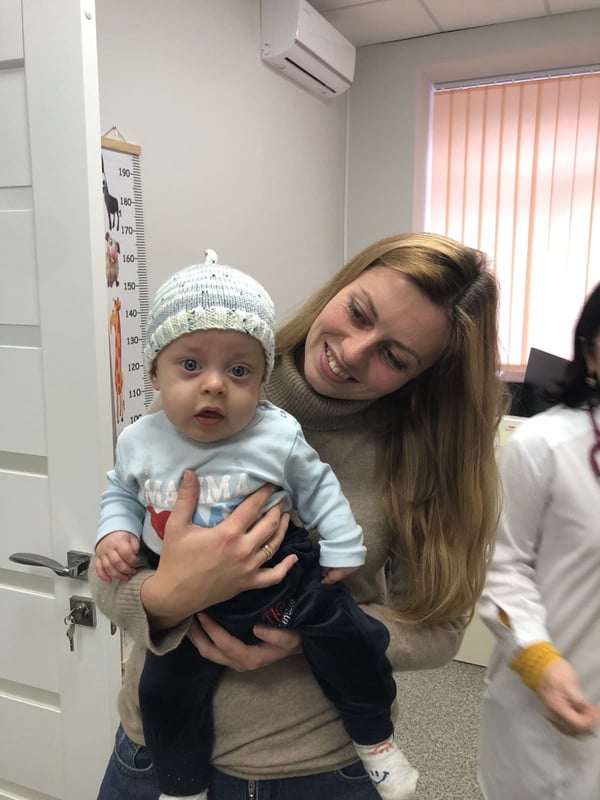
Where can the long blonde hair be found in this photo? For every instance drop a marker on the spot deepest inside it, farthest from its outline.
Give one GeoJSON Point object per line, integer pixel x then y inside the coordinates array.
{"type": "Point", "coordinates": [436, 467]}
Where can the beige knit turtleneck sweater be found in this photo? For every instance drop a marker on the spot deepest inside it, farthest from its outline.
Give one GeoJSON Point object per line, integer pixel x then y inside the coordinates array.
{"type": "Point", "coordinates": [275, 722]}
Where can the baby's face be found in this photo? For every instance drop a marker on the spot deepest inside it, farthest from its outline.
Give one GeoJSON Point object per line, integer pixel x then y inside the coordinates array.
{"type": "Point", "coordinates": [210, 382]}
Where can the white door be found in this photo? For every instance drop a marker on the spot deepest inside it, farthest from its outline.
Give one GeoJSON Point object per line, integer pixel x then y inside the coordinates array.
{"type": "Point", "coordinates": [57, 707]}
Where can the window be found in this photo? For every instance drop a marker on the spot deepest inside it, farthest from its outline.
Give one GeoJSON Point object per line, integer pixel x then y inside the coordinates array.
{"type": "Point", "coordinates": [515, 171]}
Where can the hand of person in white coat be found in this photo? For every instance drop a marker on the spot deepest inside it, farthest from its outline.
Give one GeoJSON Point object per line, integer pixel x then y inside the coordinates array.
{"type": "Point", "coordinates": [564, 704]}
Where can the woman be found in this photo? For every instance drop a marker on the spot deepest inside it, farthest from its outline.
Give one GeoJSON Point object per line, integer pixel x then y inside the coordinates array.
{"type": "Point", "coordinates": [391, 371]}
{"type": "Point", "coordinates": [542, 598]}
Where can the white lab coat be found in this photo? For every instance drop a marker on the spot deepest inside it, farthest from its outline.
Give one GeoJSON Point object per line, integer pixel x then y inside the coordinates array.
{"type": "Point", "coordinates": [546, 576]}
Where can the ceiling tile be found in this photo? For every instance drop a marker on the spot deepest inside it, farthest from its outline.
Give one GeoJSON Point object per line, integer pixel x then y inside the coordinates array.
{"type": "Point", "coordinates": [366, 22]}
{"type": "Point", "coordinates": [563, 6]}
{"type": "Point", "coordinates": [329, 5]}
{"type": "Point", "coordinates": [458, 14]}
{"type": "Point", "coordinates": [383, 21]}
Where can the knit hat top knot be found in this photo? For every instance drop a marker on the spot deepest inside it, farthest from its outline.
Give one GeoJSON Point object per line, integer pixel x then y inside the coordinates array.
{"type": "Point", "coordinates": [210, 296]}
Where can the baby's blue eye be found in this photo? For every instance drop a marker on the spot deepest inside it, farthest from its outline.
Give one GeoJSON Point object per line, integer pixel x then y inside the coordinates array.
{"type": "Point", "coordinates": [238, 371]}
{"type": "Point", "coordinates": [190, 364]}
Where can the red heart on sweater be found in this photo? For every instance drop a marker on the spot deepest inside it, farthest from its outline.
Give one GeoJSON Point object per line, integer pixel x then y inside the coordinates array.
{"type": "Point", "coordinates": [159, 520]}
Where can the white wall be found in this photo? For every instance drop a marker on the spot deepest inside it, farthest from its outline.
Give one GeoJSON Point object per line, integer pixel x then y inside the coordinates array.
{"type": "Point", "coordinates": [238, 158]}
{"type": "Point", "coordinates": [234, 156]}
{"type": "Point", "coordinates": [389, 106]}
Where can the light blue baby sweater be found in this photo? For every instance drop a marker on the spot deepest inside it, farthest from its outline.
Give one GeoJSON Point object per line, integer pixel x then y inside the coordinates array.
{"type": "Point", "coordinates": [151, 456]}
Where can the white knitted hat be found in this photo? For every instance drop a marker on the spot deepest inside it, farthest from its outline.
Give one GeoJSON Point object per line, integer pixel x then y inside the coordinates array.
{"type": "Point", "coordinates": [210, 296]}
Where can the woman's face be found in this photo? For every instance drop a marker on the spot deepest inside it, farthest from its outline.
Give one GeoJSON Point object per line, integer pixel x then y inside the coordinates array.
{"type": "Point", "coordinates": [374, 336]}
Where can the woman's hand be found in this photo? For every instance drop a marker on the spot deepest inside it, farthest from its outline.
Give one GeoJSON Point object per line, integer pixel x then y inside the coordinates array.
{"type": "Point", "coordinates": [564, 704]}
{"type": "Point", "coordinates": [202, 566]}
{"type": "Point", "coordinates": [216, 644]}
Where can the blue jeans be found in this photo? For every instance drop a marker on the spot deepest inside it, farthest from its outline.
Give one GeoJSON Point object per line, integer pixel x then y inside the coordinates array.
{"type": "Point", "coordinates": [130, 775]}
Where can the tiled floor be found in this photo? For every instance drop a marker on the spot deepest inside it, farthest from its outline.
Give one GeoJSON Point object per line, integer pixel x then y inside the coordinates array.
{"type": "Point", "coordinates": [438, 729]}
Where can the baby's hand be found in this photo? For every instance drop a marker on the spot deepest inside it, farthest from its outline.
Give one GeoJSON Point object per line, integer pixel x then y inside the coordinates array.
{"type": "Point", "coordinates": [116, 556]}
{"type": "Point", "coordinates": [335, 574]}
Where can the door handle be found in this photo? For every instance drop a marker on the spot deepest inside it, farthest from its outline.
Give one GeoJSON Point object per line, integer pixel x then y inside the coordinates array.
{"type": "Point", "coordinates": [77, 563]}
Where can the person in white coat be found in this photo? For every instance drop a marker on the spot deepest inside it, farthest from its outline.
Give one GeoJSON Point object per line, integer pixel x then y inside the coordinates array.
{"type": "Point", "coordinates": [539, 716]}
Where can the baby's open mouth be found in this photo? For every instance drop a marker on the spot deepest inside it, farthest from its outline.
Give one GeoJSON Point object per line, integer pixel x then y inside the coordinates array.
{"type": "Point", "coordinates": [209, 414]}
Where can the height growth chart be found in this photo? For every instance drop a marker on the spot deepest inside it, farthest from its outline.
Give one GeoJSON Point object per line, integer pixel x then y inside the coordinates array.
{"type": "Point", "coordinates": [126, 279]}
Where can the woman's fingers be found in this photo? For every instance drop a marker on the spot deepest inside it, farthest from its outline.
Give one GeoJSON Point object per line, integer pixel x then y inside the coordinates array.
{"type": "Point", "coordinates": [270, 576]}
{"type": "Point", "coordinates": [199, 638]}
{"type": "Point", "coordinates": [270, 527]}
{"type": "Point", "coordinates": [249, 511]}
{"type": "Point", "coordinates": [284, 639]}
{"type": "Point", "coordinates": [218, 645]}
{"type": "Point", "coordinates": [281, 521]}
{"type": "Point", "coordinates": [267, 534]}
{"type": "Point", "coordinates": [185, 504]}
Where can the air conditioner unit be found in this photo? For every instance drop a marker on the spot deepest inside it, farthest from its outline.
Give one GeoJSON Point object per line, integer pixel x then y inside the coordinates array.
{"type": "Point", "coordinates": [299, 42]}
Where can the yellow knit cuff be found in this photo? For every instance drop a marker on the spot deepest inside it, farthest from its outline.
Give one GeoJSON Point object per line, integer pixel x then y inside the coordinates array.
{"type": "Point", "coordinates": [532, 662]}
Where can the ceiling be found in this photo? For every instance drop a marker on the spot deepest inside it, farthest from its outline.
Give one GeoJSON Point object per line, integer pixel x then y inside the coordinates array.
{"type": "Point", "coordinates": [373, 21]}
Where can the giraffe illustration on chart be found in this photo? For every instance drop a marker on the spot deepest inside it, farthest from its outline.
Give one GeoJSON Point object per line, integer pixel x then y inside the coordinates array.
{"type": "Point", "coordinates": [114, 322]}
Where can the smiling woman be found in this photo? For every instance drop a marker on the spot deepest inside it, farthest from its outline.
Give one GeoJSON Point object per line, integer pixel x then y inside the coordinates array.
{"type": "Point", "coordinates": [391, 370]}
{"type": "Point", "coordinates": [373, 337]}
{"type": "Point", "coordinates": [417, 314]}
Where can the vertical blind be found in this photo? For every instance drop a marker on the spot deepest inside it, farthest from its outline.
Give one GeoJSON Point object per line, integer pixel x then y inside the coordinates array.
{"type": "Point", "coordinates": [515, 171]}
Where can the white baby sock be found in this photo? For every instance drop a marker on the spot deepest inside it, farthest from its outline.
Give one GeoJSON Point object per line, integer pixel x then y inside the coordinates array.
{"type": "Point", "coordinates": [389, 770]}
{"type": "Point", "coordinates": [201, 796]}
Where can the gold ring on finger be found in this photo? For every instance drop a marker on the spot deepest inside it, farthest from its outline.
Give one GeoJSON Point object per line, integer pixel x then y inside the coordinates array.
{"type": "Point", "coordinates": [268, 551]}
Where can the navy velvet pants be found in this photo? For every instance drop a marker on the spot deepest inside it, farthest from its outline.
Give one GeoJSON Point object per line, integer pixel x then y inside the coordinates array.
{"type": "Point", "coordinates": [344, 647]}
